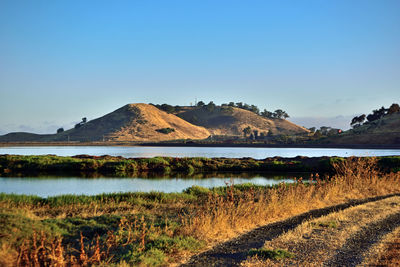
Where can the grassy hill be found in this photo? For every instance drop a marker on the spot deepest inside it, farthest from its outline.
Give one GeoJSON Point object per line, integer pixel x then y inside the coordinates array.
{"type": "Point", "coordinates": [132, 122]}
{"type": "Point", "coordinates": [383, 131]}
{"type": "Point", "coordinates": [225, 120]}
{"type": "Point", "coordinates": [25, 137]}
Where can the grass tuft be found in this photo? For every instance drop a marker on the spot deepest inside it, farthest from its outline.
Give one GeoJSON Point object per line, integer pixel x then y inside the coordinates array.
{"type": "Point", "coordinates": [276, 254]}
{"type": "Point", "coordinates": [328, 224]}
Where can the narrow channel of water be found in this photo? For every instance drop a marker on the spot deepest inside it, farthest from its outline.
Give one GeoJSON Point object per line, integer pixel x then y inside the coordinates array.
{"type": "Point", "coordinates": [53, 186]}
{"type": "Point", "coordinates": [209, 152]}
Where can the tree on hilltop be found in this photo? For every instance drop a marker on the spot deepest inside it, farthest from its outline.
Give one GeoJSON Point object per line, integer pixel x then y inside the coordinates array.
{"type": "Point", "coordinates": [376, 114]}
{"type": "Point", "coordinates": [254, 108]}
{"type": "Point", "coordinates": [200, 104]}
{"type": "Point", "coordinates": [358, 120]}
{"type": "Point", "coordinates": [167, 108]}
{"type": "Point", "coordinates": [394, 108]}
{"type": "Point", "coordinates": [78, 125]}
{"type": "Point", "coordinates": [210, 107]}
{"type": "Point", "coordinates": [280, 114]}
{"type": "Point", "coordinates": [267, 114]}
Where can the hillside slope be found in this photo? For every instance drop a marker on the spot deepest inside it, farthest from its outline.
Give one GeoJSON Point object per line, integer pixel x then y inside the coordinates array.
{"type": "Point", "coordinates": [232, 121]}
{"type": "Point", "coordinates": [132, 122]}
{"type": "Point", "coordinates": [382, 131]}
{"type": "Point", "coordinates": [150, 120]}
{"type": "Point", "coordinates": [25, 137]}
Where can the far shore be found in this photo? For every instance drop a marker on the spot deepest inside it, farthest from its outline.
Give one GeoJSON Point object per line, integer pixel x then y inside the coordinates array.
{"type": "Point", "coordinates": [11, 165]}
{"type": "Point", "coordinates": [198, 144]}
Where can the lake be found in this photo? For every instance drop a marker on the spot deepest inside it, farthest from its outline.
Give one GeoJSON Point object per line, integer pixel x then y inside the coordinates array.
{"type": "Point", "coordinates": [53, 186]}
{"type": "Point", "coordinates": [209, 152]}
{"type": "Point", "coordinates": [74, 185]}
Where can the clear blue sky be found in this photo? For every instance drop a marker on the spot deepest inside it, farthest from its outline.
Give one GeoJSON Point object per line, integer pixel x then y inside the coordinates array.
{"type": "Point", "coordinates": [63, 60]}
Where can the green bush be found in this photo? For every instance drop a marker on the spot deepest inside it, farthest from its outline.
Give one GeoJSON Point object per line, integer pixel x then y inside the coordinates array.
{"type": "Point", "coordinates": [197, 190]}
{"type": "Point", "coordinates": [328, 224]}
{"type": "Point", "coordinates": [165, 130]}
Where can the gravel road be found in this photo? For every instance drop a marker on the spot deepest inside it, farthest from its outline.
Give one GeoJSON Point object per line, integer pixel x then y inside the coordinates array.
{"type": "Point", "coordinates": [233, 252]}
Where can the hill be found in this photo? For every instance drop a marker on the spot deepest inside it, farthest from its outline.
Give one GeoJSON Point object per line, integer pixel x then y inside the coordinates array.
{"type": "Point", "coordinates": [25, 137]}
{"type": "Point", "coordinates": [132, 122]}
{"type": "Point", "coordinates": [226, 120]}
{"type": "Point", "coordinates": [382, 131]}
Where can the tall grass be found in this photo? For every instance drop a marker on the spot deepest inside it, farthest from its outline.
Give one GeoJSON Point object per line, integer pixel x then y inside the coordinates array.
{"type": "Point", "coordinates": [220, 217]}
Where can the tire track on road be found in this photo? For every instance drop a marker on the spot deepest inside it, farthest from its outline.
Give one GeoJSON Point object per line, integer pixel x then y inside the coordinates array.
{"type": "Point", "coordinates": [233, 252]}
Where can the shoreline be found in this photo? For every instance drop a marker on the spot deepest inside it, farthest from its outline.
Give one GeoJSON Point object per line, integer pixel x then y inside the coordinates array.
{"type": "Point", "coordinates": [108, 165]}
{"type": "Point", "coordinates": [193, 144]}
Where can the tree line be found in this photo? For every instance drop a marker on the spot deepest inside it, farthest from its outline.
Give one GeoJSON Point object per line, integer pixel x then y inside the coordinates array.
{"type": "Point", "coordinates": [211, 107]}
{"type": "Point", "coordinates": [376, 114]}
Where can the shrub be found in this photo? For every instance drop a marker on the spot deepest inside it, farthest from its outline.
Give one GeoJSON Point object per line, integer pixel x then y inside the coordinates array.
{"type": "Point", "coordinates": [328, 224]}
{"type": "Point", "coordinates": [197, 190]}
{"type": "Point", "coordinates": [166, 130]}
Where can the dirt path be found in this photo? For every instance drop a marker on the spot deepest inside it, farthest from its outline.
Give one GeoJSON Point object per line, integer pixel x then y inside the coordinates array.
{"type": "Point", "coordinates": [339, 239]}
{"type": "Point", "coordinates": [233, 252]}
{"type": "Point", "coordinates": [386, 252]}
{"type": "Point", "coordinates": [350, 254]}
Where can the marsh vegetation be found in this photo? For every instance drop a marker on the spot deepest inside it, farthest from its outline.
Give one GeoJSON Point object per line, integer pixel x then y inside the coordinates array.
{"type": "Point", "coordinates": [160, 228]}
{"type": "Point", "coordinates": [118, 166]}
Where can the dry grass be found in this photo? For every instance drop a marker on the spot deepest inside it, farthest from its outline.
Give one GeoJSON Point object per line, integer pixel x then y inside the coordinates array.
{"type": "Point", "coordinates": [222, 217]}
{"type": "Point", "coordinates": [386, 252]}
{"type": "Point", "coordinates": [212, 215]}
{"type": "Point", "coordinates": [342, 223]}
{"type": "Point", "coordinates": [43, 250]}
{"type": "Point", "coordinates": [316, 241]}
{"type": "Point", "coordinates": [233, 123]}
{"type": "Point", "coordinates": [153, 119]}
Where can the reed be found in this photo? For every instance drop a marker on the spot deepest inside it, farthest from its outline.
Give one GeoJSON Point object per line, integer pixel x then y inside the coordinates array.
{"type": "Point", "coordinates": [223, 216]}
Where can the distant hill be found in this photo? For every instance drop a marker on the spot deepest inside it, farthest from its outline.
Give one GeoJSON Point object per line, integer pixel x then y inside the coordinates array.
{"type": "Point", "coordinates": [132, 122]}
{"type": "Point", "coordinates": [25, 137]}
{"type": "Point", "coordinates": [226, 120]}
{"type": "Point", "coordinates": [382, 131]}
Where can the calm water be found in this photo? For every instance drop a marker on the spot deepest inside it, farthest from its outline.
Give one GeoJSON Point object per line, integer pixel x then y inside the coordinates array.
{"type": "Point", "coordinates": [229, 152]}
{"type": "Point", "coordinates": [73, 185]}
{"type": "Point", "coordinates": [45, 187]}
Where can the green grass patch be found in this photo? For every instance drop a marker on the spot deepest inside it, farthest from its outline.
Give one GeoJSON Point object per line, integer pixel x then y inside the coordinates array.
{"type": "Point", "coordinates": [327, 224]}
{"type": "Point", "coordinates": [275, 254]}
{"type": "Point", "coordinates": [15, 228]}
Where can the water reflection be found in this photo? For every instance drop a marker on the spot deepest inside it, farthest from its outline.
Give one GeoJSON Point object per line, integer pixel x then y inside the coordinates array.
{"type": "Point", "coordinates": [172, 175]}
{"type": "Point", "coordinates": [53, 186]}
{"type": "Point", "coordinates": [210, 152]}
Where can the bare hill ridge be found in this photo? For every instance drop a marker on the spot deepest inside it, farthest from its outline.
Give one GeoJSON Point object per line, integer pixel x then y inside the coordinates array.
{"type": "Point", "coordinates": [232, 121]}
{"type": "Point", "coordinates": [152, 124]}
{"type": "Point", "coordinates": [138, 122]}
{"type": "Point", "coordinates": [132, 122]}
